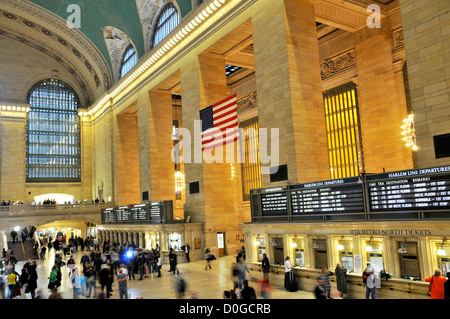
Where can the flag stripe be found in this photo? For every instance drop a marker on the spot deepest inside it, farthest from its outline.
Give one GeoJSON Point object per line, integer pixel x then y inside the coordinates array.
{"type": "Point", "coordinates": [220, 123]}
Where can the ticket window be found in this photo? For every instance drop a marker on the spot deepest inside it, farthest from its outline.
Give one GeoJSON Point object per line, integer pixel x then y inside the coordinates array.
{"type": "Point", "coordinates": [297, 251]}
{"type": "Point", "coordinates": [320, 253]}
{"type": "Point", "coordinates": [259, 248]}
{"type": "Point", "coordinates": [374, 254]}
{"type": "Point", "coordinates": [443, 257]}
{"type": "Point", "coordinates": [175, 241]}
{"type": "Point", "coordinates": [409, 260]}
{"type": "Point", "coordinates": [345, 248]}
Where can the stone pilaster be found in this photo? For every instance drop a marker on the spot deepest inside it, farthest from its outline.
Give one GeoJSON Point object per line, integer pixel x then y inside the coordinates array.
{"type": "Point", "coordinates": [289, 87]}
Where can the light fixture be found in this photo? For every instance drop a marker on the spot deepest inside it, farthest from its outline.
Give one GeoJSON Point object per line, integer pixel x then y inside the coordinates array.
{"type": "Point", "coordinates": [257, 241]}
{"type": "Point", "coordinates": [273, 243]}
{"type": "Point", "coordinates": [315, 245]}
{"type": "Point", "coordinates": [409, 132]}
{"type": "Point", "coordinates": [180, 183]}
{"type": "Point", "coordinates": [369, 246]}
{"type": "Point", "coordinates": [441, 252]}
{"type": "Point", "coordinates": [340, 246]}
{"type": "Point", "coordinates": [402, 249]}
{"type": "Point", "coordinates": [294, 244]}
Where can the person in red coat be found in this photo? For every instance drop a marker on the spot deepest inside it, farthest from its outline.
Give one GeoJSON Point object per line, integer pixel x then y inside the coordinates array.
{"type": "Point", "coordinates": [437, 285]}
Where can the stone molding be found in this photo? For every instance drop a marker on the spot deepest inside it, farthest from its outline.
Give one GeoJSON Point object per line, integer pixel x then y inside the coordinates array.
{"type": "Point", "coordinates": [338, 64]}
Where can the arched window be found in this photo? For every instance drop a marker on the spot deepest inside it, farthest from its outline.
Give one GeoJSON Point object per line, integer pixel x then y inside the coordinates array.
{"type": "Point", "coordinates": [168, 20]}
{"type": "Point", "coordinates": [53, 133]}
{"type": "Point", "coordinates": [129, 61]}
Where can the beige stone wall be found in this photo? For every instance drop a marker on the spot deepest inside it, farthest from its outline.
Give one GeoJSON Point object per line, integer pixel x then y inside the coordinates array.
{"type": "Point", "coordinates": [127, 160]}
{"type": "Point", "coordinates": [426, 28]}
{"type": "Point", "coordinates": [156, 167]}
{"type": "Point", "coordinates": [103, 155]}
{"type": "Point", "coordinates": [13, 139]}
{"type": "Point", "coordinates": [289, 87]}
{"type": "Point", "coordinates": [382, 103]}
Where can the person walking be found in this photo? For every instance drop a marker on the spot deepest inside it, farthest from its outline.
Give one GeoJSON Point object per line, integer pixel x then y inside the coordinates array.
{"type": "Point", "coordinates": [437, 282]}
{"type": "Point", "coordinates": [265, 265]}
{"type": "Point", "coordinates": [122, 283]}
{"type": "Point", "coordinates": [320, 291]}
{"type": "Point", "coordinates": [243, 268]}
{"type": "Point", "coordinates": [140, 264]}
{"type": "Point", "coordinates": [341, 279]}
{"type": "Point", "coordinates": [91, 275]}
{"type": "Point", "coordinates": [325, 275]}
{"type": "Point", "coordinates": [53, 279]}
{"type": "Point", "coordinates": [104, 277]}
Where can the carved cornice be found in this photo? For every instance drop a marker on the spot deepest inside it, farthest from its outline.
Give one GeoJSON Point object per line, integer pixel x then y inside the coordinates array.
{"type": "Point", "coordinates": [333, 66]}
{"type": "Point", "coordinates": [247, 102]}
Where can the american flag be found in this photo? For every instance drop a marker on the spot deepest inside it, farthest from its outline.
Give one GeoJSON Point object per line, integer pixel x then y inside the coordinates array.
{"type": "Point", "coordinates": [219, 123]}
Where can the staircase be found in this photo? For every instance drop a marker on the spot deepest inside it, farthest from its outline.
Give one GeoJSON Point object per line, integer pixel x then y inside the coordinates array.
{"type": "Point", "coordinates": [28, 247]}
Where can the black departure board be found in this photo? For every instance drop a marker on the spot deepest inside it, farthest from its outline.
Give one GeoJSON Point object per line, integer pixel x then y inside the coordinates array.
{"type": "Point", "coordinates": [109, 215]}
{"type": "Point", "coordinates": [148, 213]}
{"type": "Point", "coordinates": [340, 195]}
{"type": "Point", "coordinates": [413, 190]}
{"type": "Point", "coordinates": [155, 211]}
{"type": "Point", "coordinates": [138, 212]}
{"type": "Point", "coordinates": [274, 202]}
{"type": "Point", "coordinates": [126, 214]}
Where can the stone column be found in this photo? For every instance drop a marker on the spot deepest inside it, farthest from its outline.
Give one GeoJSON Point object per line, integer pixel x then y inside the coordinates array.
{"type": "Point", "coordinates": [426, 35]}
{"type": "Point", "coordinates": [156, 166]}
{"type": "Point", "coordinates": [289, 88]}
{"type": "Point", "coordinates": [382, 103]}
{"type": "Point", "coordinates": [203, 83]}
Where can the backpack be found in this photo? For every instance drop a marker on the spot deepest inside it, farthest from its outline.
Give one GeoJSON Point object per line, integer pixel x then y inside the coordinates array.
{"type": "Point", "coordinates": [365, 275]}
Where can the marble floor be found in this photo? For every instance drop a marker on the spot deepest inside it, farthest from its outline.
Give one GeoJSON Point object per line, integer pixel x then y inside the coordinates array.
{"type": "Point", "coordinates": [207, 284]}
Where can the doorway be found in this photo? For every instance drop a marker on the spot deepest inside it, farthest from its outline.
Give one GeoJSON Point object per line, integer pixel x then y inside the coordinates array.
{"type": "Point", "coordinates": [221, 243]}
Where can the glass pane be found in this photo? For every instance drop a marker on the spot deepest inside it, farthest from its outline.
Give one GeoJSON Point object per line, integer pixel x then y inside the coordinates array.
{"type": "Point", "coordinates": [52, 133]}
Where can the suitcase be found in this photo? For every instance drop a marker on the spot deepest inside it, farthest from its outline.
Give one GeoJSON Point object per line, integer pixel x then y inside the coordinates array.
{"type": "Point", "coordinates": [293, 285]}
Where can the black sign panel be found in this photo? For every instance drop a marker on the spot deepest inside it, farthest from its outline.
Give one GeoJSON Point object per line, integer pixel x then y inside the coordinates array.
{"type": "Point", "coordinates": [108, 215]}
{"type": "Point", "coordinates": [414, 190]}
{"type": "Point", "coordinates": [274, 204]}
{"type": "Point", "coordinates": [155, 211]}
{"type": "Point", "coordinates": [342, 195]}
{"type": "Point", "coordinates": [138, 212]}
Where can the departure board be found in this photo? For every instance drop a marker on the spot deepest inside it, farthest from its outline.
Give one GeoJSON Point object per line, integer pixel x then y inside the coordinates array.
{"type": "Point", "coordinates": [138, 212]}
{"type": "Point", "coordinates": [119, 214]}
{"type": "Point", "coordinates": [340, 195]}
{"type": "Point", "coordinates": [155, 211]}
{"type": "Point", "coordinates": [108, 215]}
{"type": "Point", "coordinates": [420, 189]}
{"type": "Point", "coordinates": [274, 203]}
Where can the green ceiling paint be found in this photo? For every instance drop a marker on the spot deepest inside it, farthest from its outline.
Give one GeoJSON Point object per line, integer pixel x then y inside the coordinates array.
{"type": "Point", "coordinates": [96, 14]}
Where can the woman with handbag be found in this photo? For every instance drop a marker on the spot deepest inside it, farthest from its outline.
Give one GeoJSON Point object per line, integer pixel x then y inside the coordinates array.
{"type": "Point", "coordinates": [436, 286]}
{"type": "Point", "coordinates": [53, 279]}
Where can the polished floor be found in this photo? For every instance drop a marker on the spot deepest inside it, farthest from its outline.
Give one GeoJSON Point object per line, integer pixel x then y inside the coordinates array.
{"type": "Point", "coordinates": [207, 284]}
